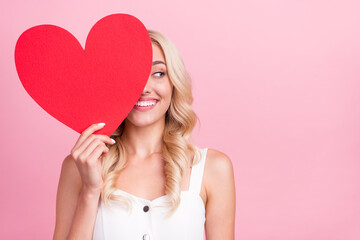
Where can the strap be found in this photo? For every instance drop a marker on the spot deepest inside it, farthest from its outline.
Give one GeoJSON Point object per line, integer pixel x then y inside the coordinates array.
{"type": "Point", "coordinates": [197, 173]}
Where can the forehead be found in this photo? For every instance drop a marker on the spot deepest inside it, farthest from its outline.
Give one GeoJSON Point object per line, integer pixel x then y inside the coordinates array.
{"type": "Point", "coordinates": [158, 55]}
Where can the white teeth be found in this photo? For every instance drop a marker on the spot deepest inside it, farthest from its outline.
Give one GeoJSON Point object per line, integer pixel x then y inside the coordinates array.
{"type": "Point", "coordinates": [145, 104]}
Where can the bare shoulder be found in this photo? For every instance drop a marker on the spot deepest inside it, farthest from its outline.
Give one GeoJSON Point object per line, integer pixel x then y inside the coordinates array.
{"type": "Point", "coordinates": [218, 171]}
{"type": "Point", "coordinates": [68, 190]}
{"type": "Point", "coordinates": [70, 173]}
{"type": "Point", "coordinates": [68, 162]}
{"type": "Point", "coordinates": [69, 165]}
{"type": "Point", "coordinates": [218, 164]}
{"type": "Point", "coordinates": [221, 196]}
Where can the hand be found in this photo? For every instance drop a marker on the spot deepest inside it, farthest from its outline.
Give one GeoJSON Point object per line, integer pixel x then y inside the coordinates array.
{"type": "Point", "coordinates": [86, 153]}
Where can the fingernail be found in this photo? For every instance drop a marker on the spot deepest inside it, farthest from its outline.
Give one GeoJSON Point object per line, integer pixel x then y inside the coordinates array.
{"type": "Point", "coordinates": [113, 140]}
{"type": "Point", "coordinates": [101, 124]}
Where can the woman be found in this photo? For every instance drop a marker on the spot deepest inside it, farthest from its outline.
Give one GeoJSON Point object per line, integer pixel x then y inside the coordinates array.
{"type": "Point", "coordinates": [143, 184]}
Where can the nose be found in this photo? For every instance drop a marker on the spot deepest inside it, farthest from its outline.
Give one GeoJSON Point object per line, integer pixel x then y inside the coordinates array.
{"type": "Point", "coordinates": [146, 89]}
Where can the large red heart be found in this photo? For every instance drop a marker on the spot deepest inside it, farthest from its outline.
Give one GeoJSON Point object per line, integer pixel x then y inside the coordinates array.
{"type": "Point", "coordinates": [80, 87]}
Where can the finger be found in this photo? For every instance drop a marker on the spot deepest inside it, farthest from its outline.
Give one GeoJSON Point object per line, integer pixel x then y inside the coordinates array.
{"type": "Point", "coordinates": [96, 153]}
{"type": "Point", "coordinates": [105, 139]}
{"type": "Point", "coordinates": [86, 133]}
{"type": "Point", "coordinates": [90, 148]}
{"type": "Point", "coordinates": [84, 145]}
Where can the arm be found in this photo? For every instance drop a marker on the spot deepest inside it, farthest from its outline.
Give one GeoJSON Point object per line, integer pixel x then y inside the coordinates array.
{"type": "Point", "coordinates": [80, 186]}
{"type": "Point", "coordinates": [221, 199]}
{"type": "Point", "coordinates": [76, 208]}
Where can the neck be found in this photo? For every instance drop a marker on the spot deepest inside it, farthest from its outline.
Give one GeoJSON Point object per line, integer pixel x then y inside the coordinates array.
{"type": "Point", "coordinates": [144, 141]}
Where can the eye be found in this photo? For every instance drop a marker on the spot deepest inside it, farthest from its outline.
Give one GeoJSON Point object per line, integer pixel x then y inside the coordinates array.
{"type": "Point", "coordinates": [159, 74]}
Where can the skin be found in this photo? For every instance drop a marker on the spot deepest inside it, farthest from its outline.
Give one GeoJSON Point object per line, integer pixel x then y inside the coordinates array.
{"type": "Point", "coordinates": [80, 181]}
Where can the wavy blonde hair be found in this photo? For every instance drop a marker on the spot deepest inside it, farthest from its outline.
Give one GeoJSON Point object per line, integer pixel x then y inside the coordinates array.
{"type": "Point", "coordinates": [180, 120]}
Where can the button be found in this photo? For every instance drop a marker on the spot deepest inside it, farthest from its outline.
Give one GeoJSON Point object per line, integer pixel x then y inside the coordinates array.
{"type": "Point", "coordinates": [146, 208]}
{"type": "Point", "coordinates": [146, 237]}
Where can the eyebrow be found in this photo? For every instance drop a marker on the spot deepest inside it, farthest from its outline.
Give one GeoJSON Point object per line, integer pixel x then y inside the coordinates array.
{"type": "Point", "coordinates": [158, 62]}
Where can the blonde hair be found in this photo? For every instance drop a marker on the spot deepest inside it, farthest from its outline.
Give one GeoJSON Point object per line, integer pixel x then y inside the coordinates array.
{"type": "Point", "coordinates": [180, 120]}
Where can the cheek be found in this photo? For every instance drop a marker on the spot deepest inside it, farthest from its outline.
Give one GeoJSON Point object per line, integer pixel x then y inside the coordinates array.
{"type": "Point", "coordinates": [165, 91]}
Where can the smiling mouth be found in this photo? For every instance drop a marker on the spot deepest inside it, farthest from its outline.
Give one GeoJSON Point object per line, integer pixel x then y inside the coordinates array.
{"type": "Point", "coordinates": [144, 106]}
{"type": "Point", "coordinates": [146, 103]}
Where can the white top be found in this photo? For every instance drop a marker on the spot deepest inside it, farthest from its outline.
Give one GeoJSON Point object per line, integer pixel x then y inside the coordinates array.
{"type": "Point", "coordinates": [150, 223]}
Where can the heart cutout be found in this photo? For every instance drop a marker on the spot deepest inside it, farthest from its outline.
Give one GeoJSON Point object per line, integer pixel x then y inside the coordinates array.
{"type": "Point", "coordinates": [79, 87]}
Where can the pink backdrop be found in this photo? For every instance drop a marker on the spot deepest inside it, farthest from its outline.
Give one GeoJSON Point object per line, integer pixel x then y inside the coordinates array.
{"type": "Point", "coordinates": [276, 86]}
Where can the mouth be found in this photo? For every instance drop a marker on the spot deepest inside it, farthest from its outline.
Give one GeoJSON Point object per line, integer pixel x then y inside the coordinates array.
{"type": "Point", "coordinates": [145, 105]}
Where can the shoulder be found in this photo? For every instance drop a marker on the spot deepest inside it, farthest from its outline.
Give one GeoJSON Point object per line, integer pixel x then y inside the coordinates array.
{"type": "Point", "coordinates": [70, 182]}
{"type": "Point", "coordinates": [67, 196]}
{"type": "Point", "coordinates": [218, 164]}
{"type": "Point", "coordinates": [68, 162]}
{"type": "Point", "coordinates": [68, 165]}
{"type": "Point", "coordinates": [218, 170]}
{"type": "Point", "coordinates": [69, 173]}
{"type": "Point", "coordinates": [221, 197]}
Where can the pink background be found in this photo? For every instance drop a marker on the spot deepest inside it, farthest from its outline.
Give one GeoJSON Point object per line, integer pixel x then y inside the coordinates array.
{"type": "Point", "coordinates": [276, 87]}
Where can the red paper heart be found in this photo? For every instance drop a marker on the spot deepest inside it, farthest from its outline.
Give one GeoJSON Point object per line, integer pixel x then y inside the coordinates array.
{"type": "Point", "coordinates": [80, 87]}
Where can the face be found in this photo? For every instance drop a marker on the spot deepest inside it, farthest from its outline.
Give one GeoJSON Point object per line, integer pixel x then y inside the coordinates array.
{"type": "Point", "coordinates": [156, 96]}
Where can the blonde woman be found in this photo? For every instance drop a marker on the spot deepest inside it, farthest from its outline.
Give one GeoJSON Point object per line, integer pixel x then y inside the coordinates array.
{"type": "Point", "coordinates": [147, 181]}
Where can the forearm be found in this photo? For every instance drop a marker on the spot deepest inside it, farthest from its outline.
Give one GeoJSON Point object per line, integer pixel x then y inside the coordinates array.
{"type": "Point", "coordinates": [85, 215]}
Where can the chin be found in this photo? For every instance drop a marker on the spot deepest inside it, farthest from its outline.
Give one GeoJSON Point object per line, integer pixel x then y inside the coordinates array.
{"type": "Point", "coordinates": [142, 121]}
